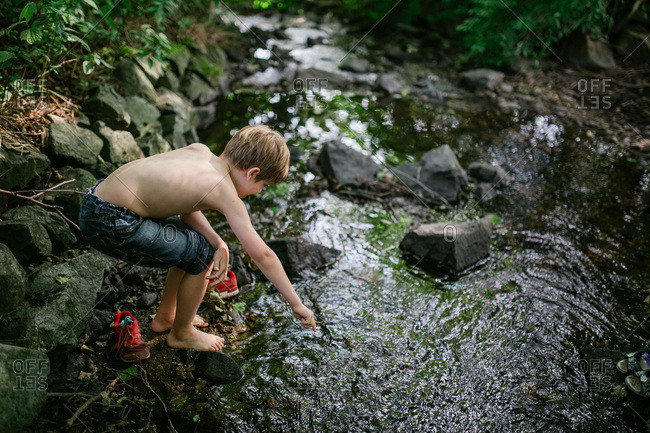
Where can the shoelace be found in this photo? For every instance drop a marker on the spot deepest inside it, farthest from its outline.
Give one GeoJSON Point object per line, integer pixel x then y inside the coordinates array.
{"type": "Point", "coordinates": [136, 337]}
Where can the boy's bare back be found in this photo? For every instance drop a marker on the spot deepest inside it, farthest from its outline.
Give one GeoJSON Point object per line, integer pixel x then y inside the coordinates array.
{"type": "Point", "coordinates": [168, 184]}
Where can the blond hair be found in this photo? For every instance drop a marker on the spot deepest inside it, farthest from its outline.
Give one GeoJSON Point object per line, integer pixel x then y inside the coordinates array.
{"type": "Point", "coordinates": [259, 146]}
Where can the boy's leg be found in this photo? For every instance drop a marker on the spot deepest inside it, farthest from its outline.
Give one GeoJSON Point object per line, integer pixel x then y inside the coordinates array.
{"type": "Point", "coordinates": [167, 308]}
{"type": "Point", "coordinates": [183, 335]}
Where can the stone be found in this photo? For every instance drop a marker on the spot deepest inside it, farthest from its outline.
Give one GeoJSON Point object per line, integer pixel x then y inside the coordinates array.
{"type": "Point", "coordinates": [179, 57]}
{"type": "Point", "coordinates": [65, 302]}
{"type": "Point", "coordinates": [57, 228]}
{"type": "Point", "coordinates": [438, 171]}
{"type": "Point", "coordinates": [17, 169]}
{"type": "Point", "coordinates": [241, 271]}
{"type": "Point", "coordinates": [145, 117]}
{"type": "Point", "coordinates": [70, 144]}
{"type": "Point", "coordinates": [153, 68]}
{"type": "Point", "coordinates": [298, 255]}
{"type": "Point", "coordinates": [133, 81]}
{"type": "Point", "coordinates": [69, 201]}
{"type": "Point", "coordinates": [484, 192]}
{"type": "Point", "coordinates": [448, 247]}
{"type": "Point", "coordinates": [169, 81]}
{"type": "Point", "coordinates": [481, 79]}
{"type": "Point", "coordinates": [27, 240]}
{"type": "Point", "coordinates": [633, 44]}
{"type": "Point", "coordinates": [119, 146]}
{"type": "Point", "coordinates": [213, 367]}
{"type": "Point", "coordinates": [197, 90]}
{"type": "Point", "coordinates": [13, 281]}
{"type": "Point", "coordinates": [269, 77]}
{"type": "Point", "coordinates": [107, 105]}
{"type": "Point", "coordinates": [346, 166]}
{"type": "Point", "coordinates": [355, 64]}
{"type": "Point", "coordinates": [147, 299]}
{"type": "Point", "coordinates": [153, 143]}
{"type": "Point", "coordinates": [206, 115]}
{"type": "Point", "coordinates": [169, 102]}
{"type": "Point", "coordinates": [587, 52]}
{"type": "Point", "coordinates": [211, 67]}
{"type": "Point", "coordinates": [391, 83]}
{"type": "Point", "coordinates": [99, 324]}
{"type": "Point", "coordinates": [23, 386]}
{"type": "Point", "coordinates": [484, 172]}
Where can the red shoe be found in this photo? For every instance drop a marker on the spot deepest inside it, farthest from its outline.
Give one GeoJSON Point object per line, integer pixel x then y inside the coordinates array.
{"type": "Point", "coordinates": [130, 345]}
{"type": "Point", "coordinates": [228, 287]}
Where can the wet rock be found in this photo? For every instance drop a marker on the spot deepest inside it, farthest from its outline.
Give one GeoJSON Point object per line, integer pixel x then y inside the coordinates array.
{"type": "Point", "coordinates": [205, 115]}
{"type": "Point", "coordinates": [438, 170]}
{"type": "Point", "coordinates": [355, 64]}
{"type": "Point", "coordinates": [153, 143]}
{"type": "Point", "coordinates": [99, 324]}
{"type": "Point", "coordinates": [145, 117]}
{"type": "Point", "coordinates": [213, 367]}
{"type": "Point", "coordinates": [269, 77]}
{"type": "Point", "coordinates": [13, 281]}
{"type": "Point", "coordinates": [153, 68]}
{"type": "Point", "coordinates": [146, 300]}
{"type": "Point", "coordinates": [321, 63]}
{"type": "Point", "coordinates": [210, 66]}
{"type": "Point", "coordinates": [179, 57]}
{"type": "Point", "coordinates": [391, 83]}
{"type": "Point", "coordinates": [448, 247]}
{"type": "Point", "coordinates": [107, 105]}
{"type": "Point", "coordinates": [57, 228]}
{"type": "Point", "coordinates": [133, 81]}
{"type": "Point", "coordinates": [297, 254]}
{"type": "Point", "coordinates": [346, 166]}
{"type": "Point", "coordinates": [70, 144]}
{"type": "Point", "coordinates": [175, 110]}
{"type": "Point", "coordinates": [23, 386]}
{"type": "Point", "coordinates": [632, 43]}
{"type": "Point", "coordinates": [241, 271]}
{"type": "Point", "coordinates": [169, 81]}
{"type": "Point", "coordinates": [641, 148]}
{"type": "Point", "coordinates": [63, 304]}
{"type": "Point", "coordinates": [71, 202]}
{"type": "Point", "coordinates": [587, 52]}
{"type": "Point", "coordinates": [484, 172]}
{"type": "Point", "coordinates": [481, 79]}
{"type": "Point", "coordinates": [27, 240]}
{"type": "Point", "coordinates": [301, 35]}
{"type": "Point", "coordinates": [197, 90]}
{"type": "Point", "coordinates": [484, 192]}
{"type": "Point", "coordinates": [17, 169]}
{"type": "Point", "coordinates": [119, 146]}
{"type": "Point", "coordinates": [295, 154]}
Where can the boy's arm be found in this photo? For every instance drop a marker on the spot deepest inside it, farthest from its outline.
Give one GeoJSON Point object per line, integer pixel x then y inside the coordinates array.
{"type": "Point", "coordinates": [268, 262]}
{"type": "Point", "coordinates": [199, 223]}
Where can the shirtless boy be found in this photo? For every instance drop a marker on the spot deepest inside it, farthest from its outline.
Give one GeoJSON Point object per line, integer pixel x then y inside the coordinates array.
{"type": "Point", "coordinates": [123, 216]}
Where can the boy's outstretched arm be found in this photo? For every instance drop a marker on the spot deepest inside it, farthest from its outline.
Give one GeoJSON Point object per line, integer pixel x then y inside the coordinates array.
{"type": "Point", "coordinates": [266, 260]}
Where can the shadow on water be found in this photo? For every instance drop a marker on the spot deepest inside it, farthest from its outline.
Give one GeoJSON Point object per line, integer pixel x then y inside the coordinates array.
{"type": "Point", "coordinates": [498, 349]}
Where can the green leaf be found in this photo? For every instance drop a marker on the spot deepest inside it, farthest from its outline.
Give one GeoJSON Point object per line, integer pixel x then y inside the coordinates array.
{"type": "Point", "coordinates": [88, 67]}
{"type": "Point", "coordinates": [129, 373]}
{"type": "Point", "coordinates": [63, 278]}
{"type": "Point", "coordinates": [5, 56]}
{"type": "Point", "coordinates": [239, 306]}
{"type": "Point", "coordinates": [196, 418]}
{"type": "Point", "coordinates": [32, 35]}
{"type": "Point", "coordinates": [28, 12]}
{"type": "Point", "coordinates": [91, 3]}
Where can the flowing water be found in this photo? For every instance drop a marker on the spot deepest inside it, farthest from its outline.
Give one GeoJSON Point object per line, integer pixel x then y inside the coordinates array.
{"type": "Point", "coordinates": [497, 349]}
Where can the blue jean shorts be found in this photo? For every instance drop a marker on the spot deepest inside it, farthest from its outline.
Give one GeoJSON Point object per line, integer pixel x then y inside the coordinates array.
{"type": "Point", "coordinates": [121, 233]}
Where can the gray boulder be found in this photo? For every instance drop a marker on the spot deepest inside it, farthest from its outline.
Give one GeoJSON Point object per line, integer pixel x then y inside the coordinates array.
{"type": "Point", "coordinates": [13, 281]}
{"type": "Point", "coordinates": [23, 386]}
{"type": "Point", "coordinates": [17, 169]}
{"type": "Point", "coordinates": [391, 83]}
{"type": "Point", "coordinates": [587, 52]}
{"type": "Point", "coordinates": [66, 298]}
{"type": "Point", "coordinates": [133, 81]}
{"type": "Point", "coordinates": [179, 57]}
{"type": "Point", "coordinates": [484, 172]}
{"type": "Point", "coordinates": [197, 90]}
{"type": "Point", "coordinates": [107, 105]}
{"type": "Point", "coordinates": [269, 77]}
{"type": "Point", "coordinates": [145, 117]}
{"type": "Point", "coordinates": [119, 146]}
{"type": "Point", "coordinates": [27, 240]}
{"type": "Point", "coordinates": [448, 247]}
{"type": "Point", "coordinates": [57, 228]}
{"type": "Point", "coordinates": [70, 144]}
{"type": "Point", "coordinates": [481, 79]}
{"type": "Point", "coordinates": [210, 65]}
{"type": "Point", "coordinates": [71, 201]}
{"type": "Point", "coordinates": [355, 64]}
{"type": "Point", "coordinates": [153, 68]}
{"type": "Point", "coordinates": [298, 255]}
{"type": "Point", "coordinates": [206, 115]}
{"type": "Point", "coordinates": [346, 166]}
{"type": "Point", "coordinates": [178, 117]}
{"type": "Point", "coordinates": [169, 81]}
{"type": "Point", "coordinates": [153, 143]}
{"type": "Point", "coordinates": [213, 367]}
{"type": "Point", "coordinates": [438, 170]}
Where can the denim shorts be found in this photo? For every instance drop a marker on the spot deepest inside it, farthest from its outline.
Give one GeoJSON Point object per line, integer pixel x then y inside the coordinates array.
{"type": "Point", "coordinates": [121, 233]}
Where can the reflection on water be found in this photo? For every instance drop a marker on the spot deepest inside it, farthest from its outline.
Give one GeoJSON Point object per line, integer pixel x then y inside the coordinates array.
{"type": "Point", "coordinates": [495, 350]}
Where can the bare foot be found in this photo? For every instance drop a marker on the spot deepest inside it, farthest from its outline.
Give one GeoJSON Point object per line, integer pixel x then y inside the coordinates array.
{"type": "Point", "coordinates": [195, 339]}
{"type": "Point", "coordinates": [162, 324]}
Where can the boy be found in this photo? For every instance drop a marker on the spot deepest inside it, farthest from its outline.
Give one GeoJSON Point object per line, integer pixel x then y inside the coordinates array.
{"type": "Point", "coordinates": [121, 216]}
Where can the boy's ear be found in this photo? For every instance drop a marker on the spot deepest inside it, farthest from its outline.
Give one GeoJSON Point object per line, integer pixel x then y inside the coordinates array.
{"type": "Point", "coordinates": [252, 173]}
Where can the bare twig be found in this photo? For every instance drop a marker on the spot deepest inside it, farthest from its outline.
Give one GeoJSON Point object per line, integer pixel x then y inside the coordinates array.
{"type": "Point", "coordinates": [83, 407]}
{"type": "Point", "coordinates": [164, 406]}
{"type": "Point", "coordinates": [48, 206]}
{"type": "Point", "coordinates": [53, 187]}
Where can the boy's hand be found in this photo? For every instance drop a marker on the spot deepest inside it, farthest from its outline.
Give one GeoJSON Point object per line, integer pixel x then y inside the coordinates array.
{"type": "Point", "coordinates": [220, 266]}
{"type": "Point", "coordinates": [305, 315]}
